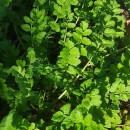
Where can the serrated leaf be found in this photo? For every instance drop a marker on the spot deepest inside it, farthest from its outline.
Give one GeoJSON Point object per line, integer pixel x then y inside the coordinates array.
{"type": "Point", "coordinates": [66, 109]}
{"type": "Point", "coordinates": [109, 32]}
{"type": "Point", "coordinates": [71, 25]}
{"type": "Point", "coordinates": [107, 17]}
{"type": "Point", "coordinates": [87, 83]}
{"type": "Point", "coordinates": [58, 116]}
{"type": "Point", "coordinates": [110, 23]}
{"type": "Point", "coordinates": [124, 97]}
{"type": "Point", "coordinates": [72, 70]}
{"type": "Point", "coordinates": [68, 122]}
{"type": "Point", "coordinates": [108, 43]}
{"type": "Point", "coordinates": [74, 52]}
{"type": "Point", "coordinates": [96, 100]}
{"type": "Point", "coordinates": [64, 53]}
{"type": "Point", "coordinates": [69, 44]}
{"type": "Point", "coordinates": [27, 19]}
{"type": "Point", "coordinates": [74, 2]}
{"type": "Point", "coordinates": [86, 41]}
{"type": "Point", "coordinates": [87, 32]}
{"type": "Point", "coordinates": [77, 92]}
{"type": "Point", "coordinates": [55, 27]}
{"type": "Point", "coordinates": [41, 35]}
{"type": "Point", "coordinates": [79, 30]}
{"type": "Point", "coordinates": [61, 2]}
{"type": "Point", "coordinates": [74, 61]}
{"type": "Point", "coordinates": [77, 37]}
{"type": "Point", "coordinates": [77, 116]}
{"type": "Point", "coordinates": [117, 11]}
{"type": "Point", "coordinates": [83, 51]}
{"type": "Point", "coordinates": [58, 11]}
{"type": "Point", "coordinates": [120, 34]}
{"type": "Point", "coordinates": [84, 25]}
{"type": "Point", "coordinates": [6, 123]}
{"type": "Point", "coordinates": [95, 92]}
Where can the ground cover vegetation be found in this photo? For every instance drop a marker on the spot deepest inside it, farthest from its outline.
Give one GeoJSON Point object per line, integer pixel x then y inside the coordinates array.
{"type": "Point", "coordinates": [64, 65]}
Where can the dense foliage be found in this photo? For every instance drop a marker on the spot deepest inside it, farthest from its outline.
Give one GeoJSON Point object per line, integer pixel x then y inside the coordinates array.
{"type": "Point", "coordinates": [64, 65]}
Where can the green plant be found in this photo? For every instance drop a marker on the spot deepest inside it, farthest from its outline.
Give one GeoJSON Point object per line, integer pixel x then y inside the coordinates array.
{"type": "Point", "coordinates": [75, 69]}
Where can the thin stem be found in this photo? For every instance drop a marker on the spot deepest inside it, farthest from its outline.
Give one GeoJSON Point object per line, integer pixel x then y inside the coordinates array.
{"type": "Point", "coordinates": [65, 91]}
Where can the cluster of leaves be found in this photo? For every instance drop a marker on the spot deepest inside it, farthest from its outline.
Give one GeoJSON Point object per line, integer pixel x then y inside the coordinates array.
{"type": "Point", "coordinates": [72, 65]}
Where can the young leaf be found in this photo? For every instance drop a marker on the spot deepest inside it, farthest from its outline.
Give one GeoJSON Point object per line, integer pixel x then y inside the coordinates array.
{"type": "Point", "coordinates": [6, 123]}
{"type": "Point", "coordinates": [27, 19]}
{"type": "Point", "coordinates": [26, 27]}
{"type": "Point", "coordinates": [77, 37]}
{"type": "Point", "coordinates": [58, 116]}
{"type": "Point", "coordinates": [40, 36]}
{"type": "Point", "coordinates": [86, 41]}
{"type": "Point", "coordinates": [87, 32]}
{"type": "Point", "coordinates": [74, 61]}
{"type": "Point", "coordinates": [68, 122]}
{"type": "Point", "coordinates": [74, 52]}
{"type": "Point", "coordinates": [107, 18]}
{"type": "Point", "coordinates": [71, 25]}
{"type": "Point", "coordinates": [65, 109]}
{"type": "Point", "coordinates": [109, 32]}
{"type": "Point", "coordinates": [84, 25]}
{"type": "Point", "coordinates": [110, 23]}
{"type": "Point", "coordinates": [31, 55]}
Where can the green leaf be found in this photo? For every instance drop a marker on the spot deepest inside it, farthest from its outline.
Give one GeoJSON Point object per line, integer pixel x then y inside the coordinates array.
{"type": "Point", "coordinates": [77, 37]}
{"type": "Point", "coordinates": [71, 25]}
{"type": "Point", "coordinates": [58, 116]}
{"type": "Point", "coordinates": [107, 17]}
{"type": "Point", "coordinates": [27, 19]}
{"type": "Point", "coordinates": [40, 36]}
{"type": "Point", "coordinates": [6, 123]}
{"type": "Point", "coordinates": [55, 27]}
{"type": "Point", "coordinates": [83, 51]}
{"type": "Point", "coordinates": [59, 11]}
{"type": "Point", "coordinates": [61, 2]}
{"type": "Point", "coordinates": [110, 23]}
{"type": "Point", "coordinates": [88, 120]}
{"type": "Point", "coordinates": [74, 2]}
{"type": "Point", "coordinates": [119, 34]}
{"type": "Point", "coordinates": [31, 55]}
{"type": "Point", "coordinates": [26, 27]}
{"type": "Point", "coordinates": [69, 44]}
{"type": "Point", "coordinates": [32, 126]}
{"type": "Point", "coordinates": [77, 116]}
{"type": "Point", "coordinates": [87, 32]}
{"type": "Point", "coordinates": [41, 1]}
{"type": "Point", "coordinates": [84, 25]}
{"type": "Point", "coordinates": [119, 66]}
{"type": "Point", "coordinates": [79, 30]}
{"type": "Point", "coordinates": [74, 61]}
{"type": "Point", "coordinates": [66, 108]}
{"type": "Point", "coordinates": [117, 11]}
{"type": "Point", "coordinates": [109, 32]}
{"type": "Point", "coordinates": [96, 100]}
{"type": "Point", "coordinates": [108, 43]}
{"type": "Point", "coordinates": [68, 122]}
{"type": "Point", "coordinates": [86, 41]}
{"type": "Point", "coordinates": [72, 70]}
{"type": "Point", "coordinates": [87, 83]}
{"type": "Point", "coordinates": [74, 52]}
